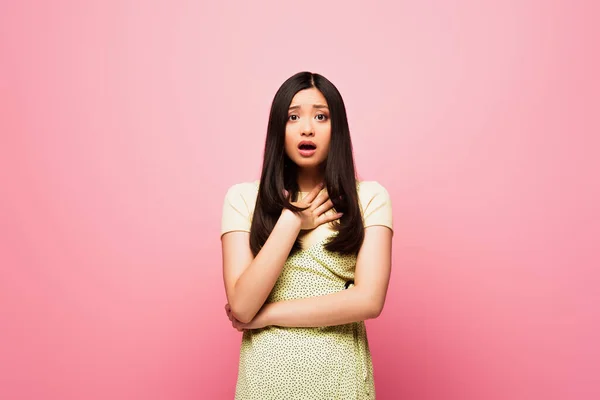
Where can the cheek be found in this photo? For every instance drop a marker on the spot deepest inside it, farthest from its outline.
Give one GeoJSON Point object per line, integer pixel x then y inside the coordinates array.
{"type": "Point", "coordinates": [325, 133]}
{"type": "Point", "coordinates": [289, 143]}
{"type": "Point", "coordinates": [324, 146]}
{"type": "Point", "coordinates": [326, 139]}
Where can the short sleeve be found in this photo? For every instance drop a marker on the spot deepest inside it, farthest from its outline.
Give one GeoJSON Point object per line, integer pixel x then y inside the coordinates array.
{"type": "Point", "coordinates": [236, 212]}
{"type": "Point", "coordinates": [376, 204]}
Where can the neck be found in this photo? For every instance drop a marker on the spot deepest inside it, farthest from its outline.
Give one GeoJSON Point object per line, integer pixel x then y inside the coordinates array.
{"type": "Point", "coordinates": [309, 178]}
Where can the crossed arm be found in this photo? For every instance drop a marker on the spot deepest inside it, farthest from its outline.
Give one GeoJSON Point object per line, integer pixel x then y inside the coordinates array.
{"type": "Point", "coordinates": [365, 300]}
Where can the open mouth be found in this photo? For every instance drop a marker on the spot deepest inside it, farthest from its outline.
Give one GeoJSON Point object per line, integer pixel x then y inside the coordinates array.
{"type": "Point", "coordinates": [307, 146]}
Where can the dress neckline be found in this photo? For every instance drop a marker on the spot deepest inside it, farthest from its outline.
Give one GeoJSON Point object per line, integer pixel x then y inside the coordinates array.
{"type": "Point", "coordinates": [257, 183]}
{"type": "Point", "coordinates": [357, 185]}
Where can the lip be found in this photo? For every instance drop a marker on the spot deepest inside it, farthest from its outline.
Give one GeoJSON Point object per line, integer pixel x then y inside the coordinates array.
{"type": "Point", "coordinates": [307, 153]}
{"type": "Point", "coordinates": [307, 142]}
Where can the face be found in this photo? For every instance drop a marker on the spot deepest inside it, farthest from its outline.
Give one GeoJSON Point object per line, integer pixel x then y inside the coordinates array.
{"type": "Point", "coordinates": [308, 129]}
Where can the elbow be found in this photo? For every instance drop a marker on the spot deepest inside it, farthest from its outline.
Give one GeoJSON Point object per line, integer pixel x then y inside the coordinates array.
{"type": "Point", "coordinates": [373, 304]}
{"type": "Point", "coordinates": [374, 312]}
{"type": "Point", "coordinates": [375, 309]}
{"type": "Point", "coordinates": [244, 319]}
{"type": "Point", "coordinates": [241, 314]}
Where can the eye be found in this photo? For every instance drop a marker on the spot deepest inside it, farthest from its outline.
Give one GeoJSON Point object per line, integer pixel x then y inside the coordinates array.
{"type": "Point", "coordinates": [322, 115]}
{"type": "Point", "coordinates": [290, 117]}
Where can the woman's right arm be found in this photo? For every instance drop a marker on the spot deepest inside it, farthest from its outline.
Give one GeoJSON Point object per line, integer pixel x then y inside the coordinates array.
{"type": "Point", "coordinates": [248, 279]}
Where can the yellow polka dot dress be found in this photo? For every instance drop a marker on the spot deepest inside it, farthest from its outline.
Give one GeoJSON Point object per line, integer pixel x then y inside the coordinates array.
{"type": "Point", "coordinates": [285, 363]}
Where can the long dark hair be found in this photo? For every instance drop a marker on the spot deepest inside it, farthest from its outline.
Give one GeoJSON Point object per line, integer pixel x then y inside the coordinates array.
{"type": "Point", "coordinates": [279, 172]}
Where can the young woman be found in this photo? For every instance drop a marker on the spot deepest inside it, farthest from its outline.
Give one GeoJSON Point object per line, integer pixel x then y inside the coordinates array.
{"type": "Point", "coordinates": [306, 254]}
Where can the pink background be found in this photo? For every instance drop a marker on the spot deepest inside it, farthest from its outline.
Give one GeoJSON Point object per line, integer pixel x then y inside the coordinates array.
{"type": "Point", "coordinates": [123, 123]}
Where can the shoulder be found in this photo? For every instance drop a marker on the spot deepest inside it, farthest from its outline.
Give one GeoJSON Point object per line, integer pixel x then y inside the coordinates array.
{"type": "Point", "coordinates": [375, 204]}
{"type": "Point", "coordinates": [238, 207]}
{"type": "Point", "coordinates": [369, 190]}
{"type": "Point", "coordinates": [245, 190]}
{"type": "Point", "coordinates": [242, 196]}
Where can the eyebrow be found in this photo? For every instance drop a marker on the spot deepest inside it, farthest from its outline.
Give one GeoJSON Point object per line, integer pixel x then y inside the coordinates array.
{"type": "Point", "coordinates": [314, 106]}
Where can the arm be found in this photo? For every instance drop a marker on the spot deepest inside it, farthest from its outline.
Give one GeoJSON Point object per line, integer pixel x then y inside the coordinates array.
{"type": "Point", "coordinates": [249, 279]}
{"type": "Point", "coordinates": [363, 301]}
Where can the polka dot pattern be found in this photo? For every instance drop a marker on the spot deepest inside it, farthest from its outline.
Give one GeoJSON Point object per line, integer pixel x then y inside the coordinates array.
{"type": "Point", "coordinates": [307, 363]}
{"type": "Point", "coordinates": [331, 362]}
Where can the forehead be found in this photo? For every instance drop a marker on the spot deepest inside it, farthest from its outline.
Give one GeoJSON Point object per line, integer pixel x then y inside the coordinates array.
{"type": "Point", "coordinates": [308, 97]}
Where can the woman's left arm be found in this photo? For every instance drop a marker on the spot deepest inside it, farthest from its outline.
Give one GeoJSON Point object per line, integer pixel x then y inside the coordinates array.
{"type": "Point", "coordinates": [363, 301]}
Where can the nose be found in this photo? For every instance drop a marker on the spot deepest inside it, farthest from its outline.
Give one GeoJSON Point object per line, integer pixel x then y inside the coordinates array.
{"type": "Point", "coordinates": [307, 127]}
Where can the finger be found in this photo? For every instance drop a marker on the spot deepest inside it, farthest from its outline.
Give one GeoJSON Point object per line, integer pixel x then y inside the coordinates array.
{"type": "Point", "coordinates": [323, 207]}
{"type": "Point", "coordinates": [313, 193]}
{"type": "Point", "coordinates": [237, 325]}
{"type": "Point", "coordinates": [320, 199]}
{"type": "Point", "coordinates": [229, 313]}
{"type": "Point", "coordinates": [329, 218]}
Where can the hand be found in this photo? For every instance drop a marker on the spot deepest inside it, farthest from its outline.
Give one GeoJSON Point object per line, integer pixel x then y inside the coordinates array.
{"type": "Point", "coordinates": [259, 320]}
{"type": "Point", "coordinates": [234, 322]}
{"type": "Point", "coordinates": [317, 203]}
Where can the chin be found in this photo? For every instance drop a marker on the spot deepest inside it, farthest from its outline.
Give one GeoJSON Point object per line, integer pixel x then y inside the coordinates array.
{"type": "Point", "coordinates": [308, 163]}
